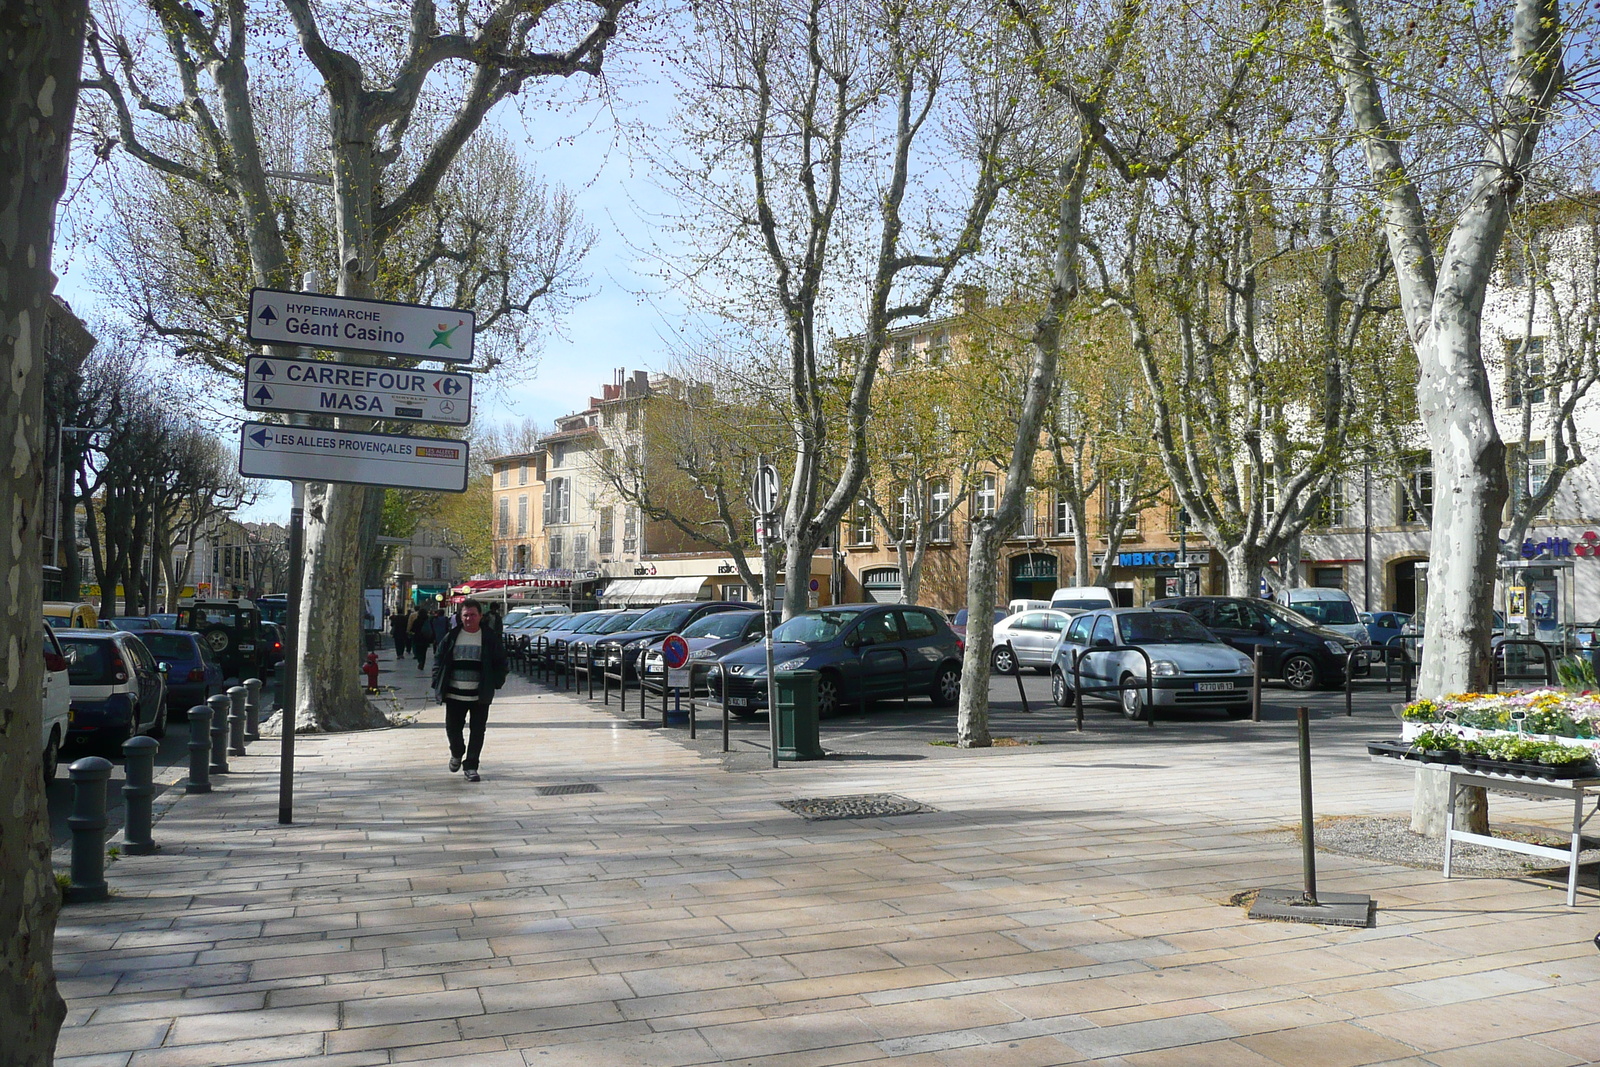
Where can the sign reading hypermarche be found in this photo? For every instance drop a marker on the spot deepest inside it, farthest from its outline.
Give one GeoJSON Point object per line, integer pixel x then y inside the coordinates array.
{"type": "Point", "coordinates": [319, 388]}
{"type": "Point", "coordinates": [305, 454]}
{"type": "Point", "coordinates": [346, 323]}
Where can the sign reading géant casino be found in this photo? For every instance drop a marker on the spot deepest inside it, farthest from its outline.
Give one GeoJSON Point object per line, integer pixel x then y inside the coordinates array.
{"type": "Point", "coordinates": [353, 325]}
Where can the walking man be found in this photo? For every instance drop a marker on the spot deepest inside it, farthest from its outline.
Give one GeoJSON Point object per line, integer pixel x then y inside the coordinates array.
{"type": "Point", "coordinates": [469, 665]}
{"type": "Point", "coordinates": [421, 636]}
{"type": "Point", "coordinates": [399, 627]}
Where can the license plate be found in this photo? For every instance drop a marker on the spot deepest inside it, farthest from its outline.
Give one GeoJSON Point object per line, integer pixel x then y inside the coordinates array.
{"type": "Point", "coordinates": [738, 702]}
{"type": "Point", "coordinates": [1213, 687]}
{"type": "Point", "coordinates": [247, 648]}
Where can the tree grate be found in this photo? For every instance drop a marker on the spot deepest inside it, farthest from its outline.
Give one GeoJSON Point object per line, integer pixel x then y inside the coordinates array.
{"type": "Point", "coordinates": [856, 806]}
{"type": "Point", "coordinates": [565, 790]}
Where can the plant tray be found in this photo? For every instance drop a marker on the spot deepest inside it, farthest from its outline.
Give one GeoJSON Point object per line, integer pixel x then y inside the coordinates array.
{"type": "Point", "coordinates": [1404, 750]}
{"type": "Point", "coordinates": [1392, 749]}
{"type": "Point", "coordinates": [1580, 769]}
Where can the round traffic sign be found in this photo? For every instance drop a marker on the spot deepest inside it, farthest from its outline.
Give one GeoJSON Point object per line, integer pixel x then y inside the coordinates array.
{"type": "Point", "coordinates": [675, 652]}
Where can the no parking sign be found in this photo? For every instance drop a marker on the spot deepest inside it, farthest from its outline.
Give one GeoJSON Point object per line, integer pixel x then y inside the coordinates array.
{"type": "Point", "coordinates": [675, 653]}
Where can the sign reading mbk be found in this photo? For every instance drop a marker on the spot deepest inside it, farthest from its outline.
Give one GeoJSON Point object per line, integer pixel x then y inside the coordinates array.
{"type": "Point", "coordinates": [343, 322]}
{"type": "Point", "coordinates": [304, 454]}
{"type": "Point", "coordinates": [319, 388]}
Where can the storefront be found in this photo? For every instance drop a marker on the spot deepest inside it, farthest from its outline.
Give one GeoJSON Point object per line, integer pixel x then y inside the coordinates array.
{"type": "Point", "coordinates": [1034, 575]}
{"type": "Point", "coordinates": [1141, 577]}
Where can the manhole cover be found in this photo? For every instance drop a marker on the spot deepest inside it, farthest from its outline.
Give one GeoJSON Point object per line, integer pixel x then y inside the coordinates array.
{"type": "Point", "coordinates": [564, 790]}
{"type": "Point", "coordinates": [859, 806]}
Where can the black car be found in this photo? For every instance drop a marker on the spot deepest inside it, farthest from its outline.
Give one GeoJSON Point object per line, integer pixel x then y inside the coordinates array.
{"type": "Point", "coordinates": [864, 651]}
{"type": "Point", "coordinates": [232, 629]}
{"type": "Point", "coordinates": [621, 651]}
{"type": "Point", "coordinates": [1293, 647]}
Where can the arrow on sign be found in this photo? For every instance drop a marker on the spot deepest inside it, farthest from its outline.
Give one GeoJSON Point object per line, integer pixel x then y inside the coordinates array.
{"type": "Point", "coordinates": [265, 370]}
{"type": "Point", "coordinates": [260, 438]}
{"type": "Point", "coordinates": [262, 394]}
{"type": "Point", "coordinates": [267, 315]}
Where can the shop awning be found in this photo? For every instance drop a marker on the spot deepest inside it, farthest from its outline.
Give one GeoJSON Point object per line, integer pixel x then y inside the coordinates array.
{"type": "Point", "coordinates": [631, 591]}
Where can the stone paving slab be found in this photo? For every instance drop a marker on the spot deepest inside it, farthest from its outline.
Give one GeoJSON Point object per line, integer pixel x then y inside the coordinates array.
{"type": "Point", "coordinates": [1062, 903]}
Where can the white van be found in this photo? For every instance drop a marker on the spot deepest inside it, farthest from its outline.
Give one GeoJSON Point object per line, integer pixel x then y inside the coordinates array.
{"type": "Point", "coordinates": [1082, 598]}
{"type": "Point", "coordinates": [1017, 606]}
{"type": "Point", "coordinates": [1330, 608]}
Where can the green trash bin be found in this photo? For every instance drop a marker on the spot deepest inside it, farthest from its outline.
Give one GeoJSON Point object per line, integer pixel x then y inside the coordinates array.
{"type": "Point", "coordinates": [797, 715]}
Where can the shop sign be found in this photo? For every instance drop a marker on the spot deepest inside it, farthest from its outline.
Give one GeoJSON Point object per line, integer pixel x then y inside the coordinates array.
{"type": "Point", "coordinates": [1160, 559]}
{"type": "Point", "coordinates": [1585, 547]}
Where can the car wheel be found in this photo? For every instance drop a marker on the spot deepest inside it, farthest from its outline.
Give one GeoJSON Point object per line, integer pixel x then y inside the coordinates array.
{"type": "Point", "coordinates": [1300, 673]}
{"type": "Point", "coordinates": [827, 696]}
{"type": "Point", "coordinates": [52, 757]}
{"type": "Point", "coordinates": [217, 640]}
{"type": "Point", "coordinates": [1133, 705]}
{"type": "Point", "coordinates": [1060, 691]}
{"type": "Point", "coordinates": [946, 686]}
{"type": "Point", "coordinates": [158, 729]}
{"type": "Point", "coordinates": [1004, 660]}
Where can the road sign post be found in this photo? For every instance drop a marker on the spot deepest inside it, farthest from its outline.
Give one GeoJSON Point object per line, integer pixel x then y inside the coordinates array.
{"type": "Point", "coordinates": [301, 453]}
{"type": "Point", "coordinates": [320, 387]}
{"type": "Point", "coordinates": [348, 324]}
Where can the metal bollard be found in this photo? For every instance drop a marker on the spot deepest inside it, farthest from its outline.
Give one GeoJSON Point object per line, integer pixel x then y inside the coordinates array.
{"type": "Point", "coordinates": [139, 768]}
{"type": "Point", "coordinates": [88, 822]}
{"type": "Point", "coordinates": [1255, 685]}
{"type": "Point", "coordinates": [236, 699]}
{"type": "Point", "coordinates": [252, 709]}
{"type": "Point", "coordinates": [199, 750]}
{"type": "Point", "coordinates": [220, 706]}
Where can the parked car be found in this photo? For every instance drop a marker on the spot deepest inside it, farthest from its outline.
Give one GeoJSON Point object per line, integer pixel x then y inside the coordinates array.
{"type": "Point", "coordinates": [57, 704]}
{"type": "Point", "coordinates": [1082, 598]}
{"type": "Point", "coordinates": [271, 646]}
{"type": "Point", "coordinates": [959, 622]}
{"type": "Point", "coordinates": [193, 673]}
{"type": "Point", "coordinates": [130, 623]}
{"type": "Point", "coordinates": [1384, 626]}
{"type": "Point", "coordinates": [1293, 647]}
{"type": "Point", "coordinates": [863, 651]}
{"type": "Point", "coordinates": [118, 688]}
{"type": "Point", "coordinates": [67, 615]}
{"type": "Point", "coordinates": [710, 637]}
{"type": "Point", "coordinates": [614, 623]}
{"type": "Point", "coordinates": [1332, 608]}
{"type": "Point", "coordinates": [1027, 640]}
{"type": "Point", "coordinates": [1188, 666]}
{"type": "Point", "coordinates": [623, 649]}
{"type": "Point", "coordinates": [165, 620]}
{"type": "Point", "coordinates": [233, 630]}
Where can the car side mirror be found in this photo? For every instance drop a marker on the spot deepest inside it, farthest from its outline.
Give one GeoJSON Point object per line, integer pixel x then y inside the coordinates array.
{"type": "Point", "coordinates": [54, 661]}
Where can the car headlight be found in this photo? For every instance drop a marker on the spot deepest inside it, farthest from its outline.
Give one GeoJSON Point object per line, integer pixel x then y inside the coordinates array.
{"type": "Point", "coordinates": [1165, 668]}
{"type": "Point", "coordinates": [634, 646]}
{"type": "Point", "coordinates": [1337, 648]}
{"type": "Point", "coordinates": [791, 664]}
{"type": "Point", "coordinates": [1246, 665]}
{"type": "Point", "coordinates": [715, 671]}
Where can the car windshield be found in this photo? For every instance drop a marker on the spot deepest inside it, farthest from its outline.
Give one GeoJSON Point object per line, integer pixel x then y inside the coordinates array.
{"type": "Point", "coordinates": [1162, 628]}
{"type": "Point", "coordinates": [1326, 612]}
{"type": "Point", "coordinates": [667, 618]}
{"type": "Point", "coordinates": [961, 616]}
{"type": "Point", "coordinates": [62, 622]}
{"type": "Point", "coordinates": [722, 625]}
{"type": "Point", "coordinates": [88, 660]}
{"type": "Point", "coordinates": [1076, 605]}
{"type": "Point", "coordinates": [814, 627]}
{"type": "Point", "coordinates": [621, 621]}
{"type": "Point", "coordinates": [169, 646]}
{"type": "Point", "coordinates": [593, 625]}
{"type": "Point", "coordinates": [1281, 614]}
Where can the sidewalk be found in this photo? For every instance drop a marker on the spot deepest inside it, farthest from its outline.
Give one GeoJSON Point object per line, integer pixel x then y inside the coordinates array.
{"type": "Point", "coordinates": [1055, 905]}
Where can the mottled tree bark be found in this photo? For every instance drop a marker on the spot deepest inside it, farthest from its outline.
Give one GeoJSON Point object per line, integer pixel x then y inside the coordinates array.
{"type": "Point", "coordinates": [41, 47]}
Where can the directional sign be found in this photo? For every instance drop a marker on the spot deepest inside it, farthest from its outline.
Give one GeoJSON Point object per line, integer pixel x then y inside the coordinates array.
{"type": "Point", "coordinates": [320, 388]}
{"type": "Point", "coordinates": [675, 651]}
{"type": "Point", "coordinates": [765, 489]}
{"type": "Point", "coordinates": [345, 323]}
{"type": "Point", "coordinates": [305, 454]}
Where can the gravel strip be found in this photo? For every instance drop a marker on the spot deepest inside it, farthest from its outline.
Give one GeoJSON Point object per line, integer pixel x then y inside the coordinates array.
{"type": "Point", "coordinates": [1390, 840]}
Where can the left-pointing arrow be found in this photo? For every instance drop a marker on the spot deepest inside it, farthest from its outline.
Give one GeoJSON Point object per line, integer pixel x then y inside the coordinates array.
{"type": "Point", "coordinates": [263, 394]}
{"type": "Point", "coordinates": [260, 438]}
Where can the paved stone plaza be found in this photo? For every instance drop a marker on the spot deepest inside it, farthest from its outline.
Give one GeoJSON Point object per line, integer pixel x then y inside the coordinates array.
{"type": "Point", "coordinates": [1066, 902]}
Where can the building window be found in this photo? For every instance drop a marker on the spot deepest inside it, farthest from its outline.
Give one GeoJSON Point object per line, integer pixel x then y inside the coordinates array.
{"type": "Point", "coordinates": [630, 530]}
{"type": "Point", "coordinates": [1269, 497]}
{"type": "Point", "coordinates": [939, 348]}
{"type": "Point", "coordinates": [500, 558]}
{"type": "Point", "coordinates": [1330, 509]}
{"type": "Point", "coordinates": [522, 558]}
{"type": "Point", "coordinates": [939, 511]}
{"type": "Point", "coordinates": [737, 593]}
{"type": "Point", "coordinates": [882, 584]}
{"type": "Point", "coordinates": [1327, 577]}
{"type": "Point", "coordinates": [505, 476]}
{"type": "Point", "coordinates": [984, 497]}
{"type": "Point", "coordinates": [505, 516]}
{"type": "Point", "coordinates": [522, 473]}
{"type": "Point", "coordinates": [1062, 525]}
{"type": "Point", "coordinates": [905, 516]}
{"type": "Point", "coordinates": [900, 354]}
{"type": "Point", "coordinates": [580, 549]}
{"type": "Point", "coordinates": [556, 453]}
{"type": "Point", "coordinates": [1525, 372]}
{"type": "Point", "coordinates": [436, 568]}
{"type": "Point", "coordinates": [558, 557]}
{"type": "Point", "coordinates": [522, 515]}
{"type": "Point", "coordinates": [861, 525]}
{"type": "Point", "coordinates": [607, 531]}
{"type": "Point", "coordinates": [1416, 504]}
{"type": "Point", "coordinates": [558, 501]}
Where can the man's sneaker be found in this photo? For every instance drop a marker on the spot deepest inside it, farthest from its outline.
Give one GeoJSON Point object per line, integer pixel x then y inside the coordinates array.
{"type": "Point", "coordinates": [455, 764]}
{"type": "Point", "coordinates": [472, 776]}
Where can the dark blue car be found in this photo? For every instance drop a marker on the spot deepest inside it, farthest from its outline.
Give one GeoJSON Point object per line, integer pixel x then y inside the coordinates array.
{"type": "Point", "coordinates": [193, 673]}
{"type": "Point", "coordinates": [863, 651]}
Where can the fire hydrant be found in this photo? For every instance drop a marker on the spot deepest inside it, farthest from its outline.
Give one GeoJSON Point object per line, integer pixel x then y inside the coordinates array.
{"type": "Point", "coordinates": [370, 669]}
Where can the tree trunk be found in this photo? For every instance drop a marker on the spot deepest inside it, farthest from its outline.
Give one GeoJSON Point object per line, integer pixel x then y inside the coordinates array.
{"type": "Point", "coordinates": [42, 42]}
{"type": "Point", "coordinates": [1244, 564]}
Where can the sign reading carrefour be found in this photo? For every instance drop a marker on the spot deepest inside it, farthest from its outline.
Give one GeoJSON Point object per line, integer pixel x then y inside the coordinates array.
{"type": "Point", "coordinates": [348, 324]}
{"type": "Point", "coordinates": [320, 388]}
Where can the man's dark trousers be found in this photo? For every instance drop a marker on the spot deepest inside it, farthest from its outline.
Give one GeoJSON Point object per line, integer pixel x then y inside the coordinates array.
{"type": "Point", "coordinates": [475, 717]}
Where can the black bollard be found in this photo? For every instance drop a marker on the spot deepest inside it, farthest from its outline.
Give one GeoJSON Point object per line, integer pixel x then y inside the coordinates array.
{"type": "Point", "coordinates": [1308, 844]}
{"type": "Point", "coordinates": [236, 699]}
{"type": "Point", "coordinates": [1255, 684]}
{"type": "Point", "coordinates": [199, 750]}
{"type": "Point", "coordinates": [252, 709]}
{"type": "Point", "coordinates": [139, 769]}
{"type": "Point", "coordinates": [220, 705]}
{"type": "Point", "coordinates": [88, 822]}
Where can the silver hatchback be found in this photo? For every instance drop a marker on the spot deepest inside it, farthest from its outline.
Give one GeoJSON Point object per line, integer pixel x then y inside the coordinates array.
{"type": "Point", "coordinates": [1135, 655]}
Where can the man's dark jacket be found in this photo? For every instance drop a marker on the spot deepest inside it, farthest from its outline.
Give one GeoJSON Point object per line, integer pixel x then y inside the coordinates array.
{"type": "Point", "coordinates": [495, 665]}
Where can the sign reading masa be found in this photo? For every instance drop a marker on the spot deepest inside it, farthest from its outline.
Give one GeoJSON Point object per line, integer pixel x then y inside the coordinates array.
{"type": "Point", "coordinates": [306, 454]}
{"type": "Point", "coordinates": [321, 388]}
{"type": "Point", "coordinates": [346, 323]}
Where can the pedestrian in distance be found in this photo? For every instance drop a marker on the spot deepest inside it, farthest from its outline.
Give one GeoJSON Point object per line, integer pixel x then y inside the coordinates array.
{"type": "Point", "coordinates": [439, 626]}
{"type": "Point", "coordinates": [468, 666]}
{"type": "Point", "coordinates": [421, 636]}
{"type": "Point", "coordinates": [399, 624]}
